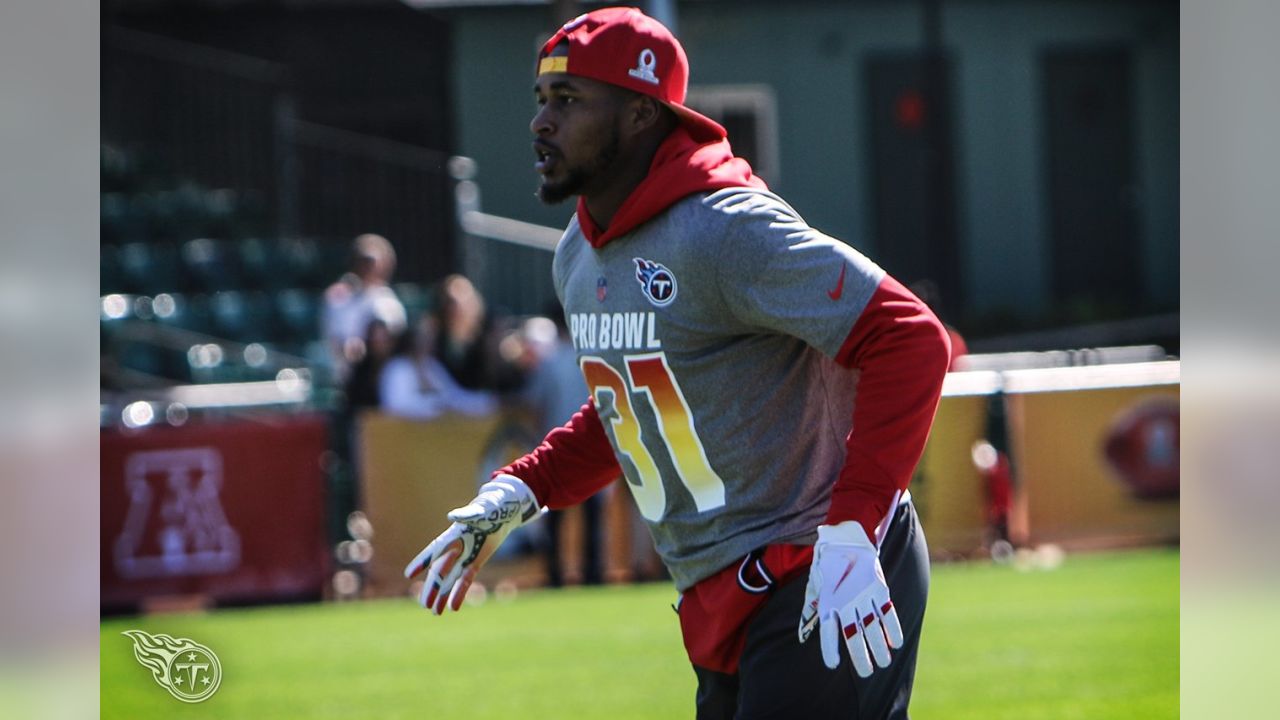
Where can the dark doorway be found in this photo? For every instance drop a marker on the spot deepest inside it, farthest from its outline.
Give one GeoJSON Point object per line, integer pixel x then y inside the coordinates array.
{"type": "Point", "coordinates": [913, 179]}
{"type": "Point", "coordinates": [1089, 131]}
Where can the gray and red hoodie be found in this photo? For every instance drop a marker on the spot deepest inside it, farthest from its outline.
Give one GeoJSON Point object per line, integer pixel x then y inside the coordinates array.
{"type": "Point", "coordinates": [895, 347]}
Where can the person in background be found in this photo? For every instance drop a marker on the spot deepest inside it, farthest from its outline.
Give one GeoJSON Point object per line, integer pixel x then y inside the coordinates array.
{"type": "Point", "coordinates": [362, 294]}
{"type": "Point", "coordinates": [463, 344]}
{"type": "Point", "coordinates": [416, 386]}
{"type": "Point", "coordinates": [555, 390]}
{"type": "Point", "coordinates": [362, 385]}
{"type": "Point", "coordinates": [360, 393]}
{"type": "Point", "coordinates": [469, 339]}
{"type": "Point", "coordinates": [997, 482]}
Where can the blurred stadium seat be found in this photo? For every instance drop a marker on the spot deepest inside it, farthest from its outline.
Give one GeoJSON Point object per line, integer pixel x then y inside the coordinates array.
{"type": "Point", "coordinates": [299, 262]}
{"type": "Point", "coordinates": [143, 358]}
{"type": "Point", "coordinates": [118, 170]}
{"type": "Point", "coordinates": [109, 276]}
{"type": "Point", "coordinates": [209, 264]}
{"type": "Point", "coordinates": [135, 264]}
{"type": "Point", "coordinates": [298, 314]}
{"type": "Point", "coordinates": [220, 209]}
{"type": "Point", "coordinates": [119, 224]}
{"type": "Point", "coordinates": [257, 263]}
{"type": "Point", "coordinates": [179, 257]}
{"type": "Point", "coordinates": [184, 312]}
{"type": "Point", "coordinates": [242, 316]}
{"type": "Point", "coordinates": [148, 267]}
{"type": "Point", "coordinates": [335, 259]}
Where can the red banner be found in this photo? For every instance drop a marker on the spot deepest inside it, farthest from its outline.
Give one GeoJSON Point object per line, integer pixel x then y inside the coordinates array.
{"type": "Point", "coordinates": [233, 511]}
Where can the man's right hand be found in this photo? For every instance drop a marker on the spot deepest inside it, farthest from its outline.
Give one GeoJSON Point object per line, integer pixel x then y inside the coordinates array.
{"type": "Point", "coordinates": [453, 559]}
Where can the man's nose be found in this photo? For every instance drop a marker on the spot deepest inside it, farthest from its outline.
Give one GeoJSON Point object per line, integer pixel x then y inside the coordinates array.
{"type": "Point", "coordinates": [541, 122]}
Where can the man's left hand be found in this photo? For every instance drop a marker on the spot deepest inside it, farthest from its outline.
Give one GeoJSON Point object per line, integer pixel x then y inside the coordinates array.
{"type": "Point", "coordinates": [847, 596]}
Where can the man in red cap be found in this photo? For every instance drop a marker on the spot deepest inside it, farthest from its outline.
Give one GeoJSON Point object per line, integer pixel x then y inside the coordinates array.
{"type": "Point", "coordinates": [723, 341]}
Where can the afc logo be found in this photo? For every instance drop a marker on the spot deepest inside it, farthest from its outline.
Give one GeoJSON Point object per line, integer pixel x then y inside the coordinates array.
{"type": "Point", "coordinates": [656, 281]}
{"type": "Point", "coordinates": [175, 526]}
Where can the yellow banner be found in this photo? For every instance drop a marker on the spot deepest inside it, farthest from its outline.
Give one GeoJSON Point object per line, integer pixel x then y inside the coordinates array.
{"type": "Point", "coordinates": [1065, 490]}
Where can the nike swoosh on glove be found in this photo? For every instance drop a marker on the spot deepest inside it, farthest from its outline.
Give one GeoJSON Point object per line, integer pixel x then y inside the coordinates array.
{"type": "Point", "coordinates": [847, 596]}
{"type": "Point", "coordinates": [479, 527]}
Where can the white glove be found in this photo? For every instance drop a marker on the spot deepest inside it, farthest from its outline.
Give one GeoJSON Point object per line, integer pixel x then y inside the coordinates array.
{"type": "Point", "coordinates": [847, 594]}
{"type": "Point", "coordinates": [453, 559]}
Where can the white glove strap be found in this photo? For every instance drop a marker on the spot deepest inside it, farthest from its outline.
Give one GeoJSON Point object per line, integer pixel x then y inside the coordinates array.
{"type": "Point", "coordinates": [520, 492]}
{"type": "Point", "coordinates": [838, 533]}
{"type": "Point", "coordinates": [849, 532]}
{"type": "Point", "coordinates": [504, 501]}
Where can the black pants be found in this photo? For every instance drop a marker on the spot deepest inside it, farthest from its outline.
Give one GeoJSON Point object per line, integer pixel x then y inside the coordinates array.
{"type": "Point", "coordinates": [780, 678]}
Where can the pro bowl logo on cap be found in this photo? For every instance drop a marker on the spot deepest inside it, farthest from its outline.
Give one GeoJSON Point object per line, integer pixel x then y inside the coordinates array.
{"type": "Point", "coordinates": [645, 65]}
{"type": "Point", "coordinates": [656, 281]}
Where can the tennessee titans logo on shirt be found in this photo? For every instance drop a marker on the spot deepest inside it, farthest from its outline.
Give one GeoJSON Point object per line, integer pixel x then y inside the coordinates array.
{"type": "Point", "coordinates": [657, 282]}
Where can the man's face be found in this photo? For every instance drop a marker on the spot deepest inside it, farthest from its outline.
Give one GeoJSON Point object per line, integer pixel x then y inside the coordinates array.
{"type": "Point", "coordinates": [576, 134]}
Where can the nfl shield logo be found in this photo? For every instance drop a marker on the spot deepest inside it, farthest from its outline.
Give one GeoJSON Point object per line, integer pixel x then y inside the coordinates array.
{"type": "Point", "coordinates": [602, 288]}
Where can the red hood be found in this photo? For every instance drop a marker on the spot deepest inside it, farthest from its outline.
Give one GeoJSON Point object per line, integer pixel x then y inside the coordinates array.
{"type": "Point", "coordinates": [680, 168]}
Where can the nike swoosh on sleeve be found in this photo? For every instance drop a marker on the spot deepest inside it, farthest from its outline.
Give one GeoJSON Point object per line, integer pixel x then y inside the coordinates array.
{"type": "Point", "coordinates": [835, 294]}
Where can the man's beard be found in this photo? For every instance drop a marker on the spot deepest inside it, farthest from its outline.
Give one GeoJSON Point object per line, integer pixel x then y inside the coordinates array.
{"type": "Point", "coordinates": [577, 178]}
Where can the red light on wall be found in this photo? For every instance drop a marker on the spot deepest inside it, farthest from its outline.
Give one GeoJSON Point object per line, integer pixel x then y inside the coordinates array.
{"type": "Point", "coordinates": [908, 110]}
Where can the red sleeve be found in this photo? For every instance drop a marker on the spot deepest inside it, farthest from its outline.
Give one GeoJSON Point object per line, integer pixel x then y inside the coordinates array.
{"type": "Point", "coordinates": [901, 351]}
{"type": "Point", "coordinates": [571, 464]}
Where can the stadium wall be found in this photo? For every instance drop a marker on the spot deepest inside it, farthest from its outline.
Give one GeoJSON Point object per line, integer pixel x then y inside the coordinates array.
{"type": "Point", "coordinates": [814, 55]}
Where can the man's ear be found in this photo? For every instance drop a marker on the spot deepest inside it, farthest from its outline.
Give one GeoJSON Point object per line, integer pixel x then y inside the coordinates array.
{"type": "Point", "coordinates": [642, 113]}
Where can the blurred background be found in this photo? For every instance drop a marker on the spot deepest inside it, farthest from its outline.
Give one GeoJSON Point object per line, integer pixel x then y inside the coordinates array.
{"type": "Point", "coordinates": [325, 280]}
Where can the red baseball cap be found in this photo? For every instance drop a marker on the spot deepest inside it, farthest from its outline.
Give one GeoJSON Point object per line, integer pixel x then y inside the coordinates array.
{"type": "Point", "coordinates": [622, 46]}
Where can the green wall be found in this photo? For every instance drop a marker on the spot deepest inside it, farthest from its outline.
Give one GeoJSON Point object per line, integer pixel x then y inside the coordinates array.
{"type": "Point", "coordinates": [812, 54]}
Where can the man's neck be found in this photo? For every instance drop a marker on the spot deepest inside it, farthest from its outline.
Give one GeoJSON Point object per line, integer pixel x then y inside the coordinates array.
{"type": "Point", "coordinates": [604, 203]}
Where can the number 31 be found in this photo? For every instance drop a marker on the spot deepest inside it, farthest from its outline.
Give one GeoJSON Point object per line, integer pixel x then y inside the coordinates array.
{"type": "Point", "coordinates": [650, 374]}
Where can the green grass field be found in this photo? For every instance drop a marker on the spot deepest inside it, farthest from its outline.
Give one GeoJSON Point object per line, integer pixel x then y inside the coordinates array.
{"type": "Point", "coordinates": [1096, 638]}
